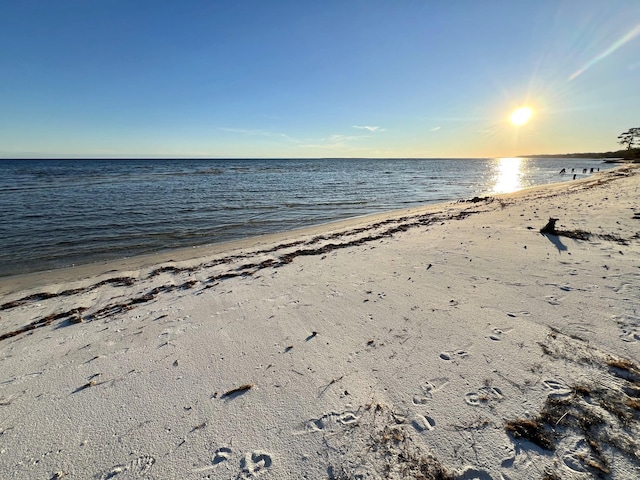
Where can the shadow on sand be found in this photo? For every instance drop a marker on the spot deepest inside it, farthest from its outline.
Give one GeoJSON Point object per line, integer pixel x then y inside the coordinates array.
{"type": "Point", "coordinates": [555, 239]}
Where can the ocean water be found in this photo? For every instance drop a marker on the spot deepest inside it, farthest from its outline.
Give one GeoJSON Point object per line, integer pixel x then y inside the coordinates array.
{"type": "Point", "coordinates": [58, 213]}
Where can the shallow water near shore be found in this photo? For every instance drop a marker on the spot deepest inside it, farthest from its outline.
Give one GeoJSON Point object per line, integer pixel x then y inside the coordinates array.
{"type": "Point", "coordinates": [59, 213]}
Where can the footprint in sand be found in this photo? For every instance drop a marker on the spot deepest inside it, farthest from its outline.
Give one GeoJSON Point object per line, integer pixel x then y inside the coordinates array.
{"type": "Point", "coordinates": [472, 473]}
{"type": "Point", "coordinates": [629, 327]}
{"type": "Point", "coordinates": [254, 464]}
{"type": "Point", "coordinates": [508, 455]}
{"type": "Point", "coordinates": [222, 455]}
{"type": "Point", "coordinates": [134, 469]}
{"type": "Point", "coordinates": [315, 425]}
{"type": "Point", "coordinates": [428, 389]}
{"type": "Point", "coordinates": [347, 418]}
{"type": "Point", "coordinates": [630, 335]}
{"type": "Point", "coordinates": [496, 335]}
{"type": "Point", "coordinates": [425, 395]}
{"type": "Point", "coordinates": [472, 398]}
{"type": "Point", "coordinates": [423, 423]}
{"type": "Point", "coordinates": [553, 300]}
{"type": "Point", "coordinates": [331, 421]}
{"type": "Point", "coordinates": [483, 395]}
{"type": "Point", "coordinates": [452, 355]}
{"type": "Point", "coordinates": [556, 389]}
{"type": "Point", "coordinates": [577, 457]}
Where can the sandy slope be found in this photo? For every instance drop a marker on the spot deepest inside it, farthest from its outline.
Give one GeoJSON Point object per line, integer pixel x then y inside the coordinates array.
{"type": "Point", "coordinates": [453, 341]}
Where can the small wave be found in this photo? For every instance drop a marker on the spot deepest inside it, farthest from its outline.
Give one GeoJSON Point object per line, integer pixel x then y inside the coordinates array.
{"type": "Point", "coordinates": [212, 171]}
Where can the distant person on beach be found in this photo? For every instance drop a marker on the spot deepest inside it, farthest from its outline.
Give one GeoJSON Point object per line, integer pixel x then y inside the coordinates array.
{"type": "Point", "coordinates": [564, 170]}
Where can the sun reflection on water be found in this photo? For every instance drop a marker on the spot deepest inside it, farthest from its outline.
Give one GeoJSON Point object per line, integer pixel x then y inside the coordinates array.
{"type": "Point", "coordinates": [508, 175]}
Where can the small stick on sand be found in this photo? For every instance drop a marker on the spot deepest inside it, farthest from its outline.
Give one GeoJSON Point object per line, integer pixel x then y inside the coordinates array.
{"type": "Point", "coordinates": [335, 380]}
{"type": "Point", "coordinates": [237, 390]}
{"type": "Point", "coordinates": [560, 419]}
{"type": "Point", "coordinates": [91, 383]}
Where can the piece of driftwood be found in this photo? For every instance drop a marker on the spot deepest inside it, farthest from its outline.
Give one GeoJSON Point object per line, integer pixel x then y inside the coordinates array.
{"type": "Point", "coordinates": [237, 391]}
{"type": "Point", "coordinates": [550, 227]}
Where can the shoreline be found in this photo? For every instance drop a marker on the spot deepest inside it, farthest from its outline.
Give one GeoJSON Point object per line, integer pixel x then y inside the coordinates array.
{"type": "Point", "coordinates": [12, 283]}
{"type": "Point", "coordinates": [452, 339]}
{"type": "Point", "coordinates": [95, 237]}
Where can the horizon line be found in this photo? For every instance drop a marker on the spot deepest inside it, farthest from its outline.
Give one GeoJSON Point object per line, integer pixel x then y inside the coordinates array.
{"type": "Point", "coordinates": [80, 157]}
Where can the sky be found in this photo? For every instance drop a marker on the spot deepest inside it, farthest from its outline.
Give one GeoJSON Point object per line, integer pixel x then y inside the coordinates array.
{"type": "Point", "coordinates": [308, 78]}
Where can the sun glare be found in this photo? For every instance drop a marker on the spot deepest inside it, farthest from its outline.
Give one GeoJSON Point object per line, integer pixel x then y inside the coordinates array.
{"type": "Point", "coordinates": [521, 115]}
{"type": "Point", "coordinates": [508, 175]}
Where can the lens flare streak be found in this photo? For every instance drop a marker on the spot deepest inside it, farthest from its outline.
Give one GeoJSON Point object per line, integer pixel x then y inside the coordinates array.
{"type": "Point", "coordinates": [616, 45]}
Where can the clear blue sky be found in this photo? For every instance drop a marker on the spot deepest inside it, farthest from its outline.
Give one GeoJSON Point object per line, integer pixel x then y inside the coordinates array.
{"type": "Point", "coordinates": [308, 78]}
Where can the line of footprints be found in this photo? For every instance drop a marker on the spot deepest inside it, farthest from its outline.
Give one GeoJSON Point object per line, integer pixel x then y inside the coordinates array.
{"type": "Point", "coordinates": [257, 462]}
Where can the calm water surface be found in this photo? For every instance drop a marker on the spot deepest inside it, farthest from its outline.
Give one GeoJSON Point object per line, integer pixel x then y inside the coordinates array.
{"type": "Point", "coordinates": [57, 213]}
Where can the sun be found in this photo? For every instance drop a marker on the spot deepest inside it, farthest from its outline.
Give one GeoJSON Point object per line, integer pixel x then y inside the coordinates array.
{"type": "Point", "coordinates": [521, 115]}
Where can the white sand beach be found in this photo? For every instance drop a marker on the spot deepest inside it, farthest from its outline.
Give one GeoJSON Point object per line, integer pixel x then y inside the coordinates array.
{"type": "Point", "coordinates": [450, 341]}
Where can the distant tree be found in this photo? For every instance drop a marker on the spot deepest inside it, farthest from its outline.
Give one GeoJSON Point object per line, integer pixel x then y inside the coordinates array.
{"type": "Point", "coordinates": [629, 138]}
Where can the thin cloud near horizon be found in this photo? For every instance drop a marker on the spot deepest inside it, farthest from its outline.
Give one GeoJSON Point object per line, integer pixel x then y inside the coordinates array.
{"type": "Point", "coordinates": [370, 128]}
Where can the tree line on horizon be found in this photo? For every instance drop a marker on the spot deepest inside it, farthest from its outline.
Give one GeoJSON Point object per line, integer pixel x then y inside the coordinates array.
{"type": "Point", "coordinates": [629, 139]}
